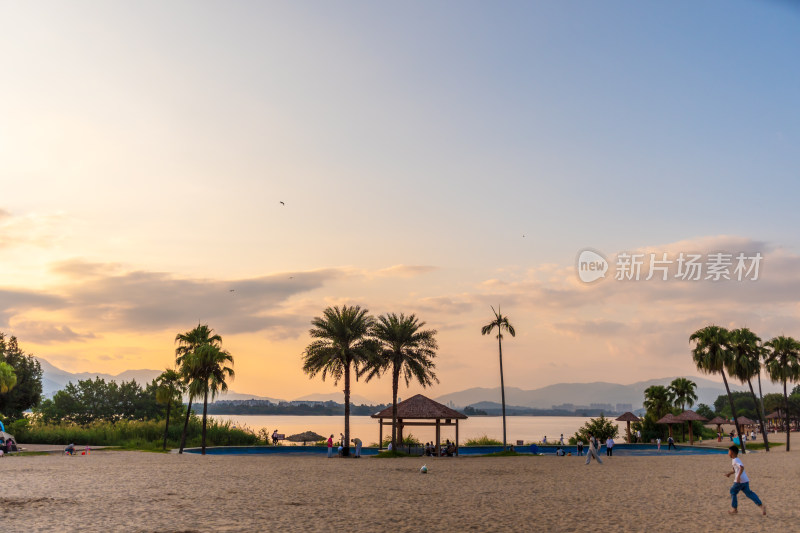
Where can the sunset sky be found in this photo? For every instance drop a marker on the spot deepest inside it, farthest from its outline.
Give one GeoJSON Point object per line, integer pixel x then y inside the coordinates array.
{"type": "Point", "coordinates": [433, 158]}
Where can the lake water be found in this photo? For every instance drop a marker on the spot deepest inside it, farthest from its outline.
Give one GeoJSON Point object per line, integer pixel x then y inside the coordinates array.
{"type": "Point", "coordinates": [526, 428]}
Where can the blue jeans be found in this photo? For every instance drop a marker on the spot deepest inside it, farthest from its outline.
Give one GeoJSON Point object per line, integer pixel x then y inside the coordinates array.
{"type": "Point", "coordinates": [743, 487]}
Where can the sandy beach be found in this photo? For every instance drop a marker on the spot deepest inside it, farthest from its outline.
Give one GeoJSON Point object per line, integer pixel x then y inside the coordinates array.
{"type": "Point", "coordinates": [149, 492]}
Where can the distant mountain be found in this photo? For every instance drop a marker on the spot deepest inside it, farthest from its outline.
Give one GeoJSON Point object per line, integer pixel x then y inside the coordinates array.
{"type": "Point", "coordinates": [586, 393]}
{"type": "Point", "coordinates": [337, 397]}
{"type": "Point", "coordinates": [54, 379]}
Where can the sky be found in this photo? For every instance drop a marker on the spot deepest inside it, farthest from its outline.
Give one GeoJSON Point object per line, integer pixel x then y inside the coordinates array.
{"type": "Point", "coordinates": [247, 165]}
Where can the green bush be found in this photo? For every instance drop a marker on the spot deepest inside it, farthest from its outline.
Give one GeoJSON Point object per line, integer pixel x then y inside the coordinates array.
{"type": "Point", "coordinates": [483, 441]}
{"type": "Point", "coordinates": [132, 434]}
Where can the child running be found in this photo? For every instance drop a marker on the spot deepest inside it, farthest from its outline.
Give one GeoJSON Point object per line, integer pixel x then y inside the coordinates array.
{"type": "Point", "coordinates": [741, 482]}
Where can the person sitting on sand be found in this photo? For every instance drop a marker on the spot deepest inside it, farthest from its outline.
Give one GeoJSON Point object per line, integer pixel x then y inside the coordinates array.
{"type": "Point", "coordinates": [560, 452]}
{"type": "Point", "coordinates": [70, 449]}
{"type": "Point", "coordinates": [741, 482]}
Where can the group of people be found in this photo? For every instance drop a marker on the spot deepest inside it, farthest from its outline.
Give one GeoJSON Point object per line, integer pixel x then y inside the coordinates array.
{"type": "Point", "coordinates": [7, 445]}
{"type": "Point", "coordinates": [448, 450]}
{"type": "Point", "coordinates": [356, 443]}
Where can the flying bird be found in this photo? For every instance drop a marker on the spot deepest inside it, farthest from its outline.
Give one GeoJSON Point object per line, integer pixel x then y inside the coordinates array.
{"type": "Point", "coordinates": [283, 203]}
{"type": "Point", "coordinates": [231, 290]}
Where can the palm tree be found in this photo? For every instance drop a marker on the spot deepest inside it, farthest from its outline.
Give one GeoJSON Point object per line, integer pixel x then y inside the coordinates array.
{"type": "Point", "coordinates": [188, 343]}
{"type": "Point", "coordinates": [783, 364]}
{"type": "Point", "coordinates": [501, 323]}
{"type": "Point", "coordinates": [8, 378]}
{"type": "Point", "coordinates": [211, 371]}
{"type": "Point", "coordinates": [657, 401]}
{"type": "Point", "coordinates": [341, 343]}
{"type": "Point", "coordinates": [169, 384]}
{"type": "Point", "coordinates": [745, 363]}
{"type": "Point", "coordinates": [682, 394]}
{"type": "Point", "coordinates": [407, 349]}
{"type": "Point", "coordinates": [711, 355]}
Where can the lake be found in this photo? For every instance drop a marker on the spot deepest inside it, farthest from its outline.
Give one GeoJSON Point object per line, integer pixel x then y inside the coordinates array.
{"type": "Point", "coordinates": [527, 428]}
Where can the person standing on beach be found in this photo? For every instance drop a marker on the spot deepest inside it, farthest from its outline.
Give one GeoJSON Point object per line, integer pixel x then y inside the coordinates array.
{"type": "Point", "coordinates": [544, 440]}
{"type": "Point", "coordinates": [330, 446]}
{"type": "Point", "coordinates": [593, 446]}
{"type": "Point", "coordinates": [609, 446]}
{"type": "Point", "coordinates": [741, 482]}
{"type": "Point", "coordinates": [671, 443]}
{"type": "Point", "coordinates": [580, 447]}
{"type": "Point", "coordinates": [658, 444]}
{"type": "Point", "coordinates": [562, 439]}
{"type": "Point", "coordinates": [357, 442]}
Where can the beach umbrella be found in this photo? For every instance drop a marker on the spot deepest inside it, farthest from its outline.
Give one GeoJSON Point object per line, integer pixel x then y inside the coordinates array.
{"type": "Point", "coordinates": [306, 436]}
{"type": "Point", "coordinates": [628, 417]}
{"type": "Point", "coordinates": [718, 421]}
{"type": "Point", "coordinates": [690, 416]}
{"type": "Point", "coordinates": [668, 419]}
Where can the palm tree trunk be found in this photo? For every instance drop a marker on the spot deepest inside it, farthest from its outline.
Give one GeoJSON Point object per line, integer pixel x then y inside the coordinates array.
{"type": "Point", "coordinates": [760, 414]}
{"type": "Point", "coordinates": [395, 385]}
{"type": "Point", "coordinates": [205, 410]}
{"type": "Point", "coordinates": [760, 394]}
{"type": "Point", "coordinates": [502, 386]}
{"type": "Point", "coordinates": [346, 443]}
{"type": "Point", "coordinates": [166, 426]}
{"type": "Point", "coordinates": [185, 425]}
{"type": "Point", "coordinates": [786, 407]}
{"type": "Point", "coordinates": [733, 410]}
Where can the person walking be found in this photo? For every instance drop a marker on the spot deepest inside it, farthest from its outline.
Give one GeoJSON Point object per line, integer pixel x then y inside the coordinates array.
{"type": "Point", "coordinates": [671, 444]}
{"type": "Point", "coordinates": [562, 439]}
{"type": "Point", "coordinates": [609, 446]}
{"type": "Point", "coordinates": [330, 446]}
{"type": "Point", "coordinates": [658, 444]}
{"type": "Point", "coordinates": [592, 452]}
{"type": "Point", "coordinates": [741, 482]}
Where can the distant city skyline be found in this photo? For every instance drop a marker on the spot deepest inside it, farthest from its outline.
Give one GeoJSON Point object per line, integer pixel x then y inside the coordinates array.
{"type": "Point", "coordinates": [246, 166]}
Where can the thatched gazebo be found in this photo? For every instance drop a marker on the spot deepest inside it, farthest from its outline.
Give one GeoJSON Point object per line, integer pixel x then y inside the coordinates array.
{"type": "Point", "coordinates": [628, 417]}
{"type": "Point", "coordinates": [772, 417]}
{"type": "Point", "coordinates": [690, 416]}
{"type": "Point", "coordinates": [744, 421]}
{"type": "Point", "coordinates": [668, 419]}
{"type": "Point", "coordinates": [424, 412]}
{"type": "Point", "coordinates": [718, 421]}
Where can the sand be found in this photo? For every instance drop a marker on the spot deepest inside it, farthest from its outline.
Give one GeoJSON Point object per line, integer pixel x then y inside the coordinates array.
{"type": "Point", "coordinates": [147, 492]}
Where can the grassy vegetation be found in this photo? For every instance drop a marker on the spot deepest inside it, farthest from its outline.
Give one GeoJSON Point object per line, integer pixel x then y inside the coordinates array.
{"type": "Point", "coordinates": [504, 453]}
{"type": "Point", "coordinates": [132, 434]}
{"type": "Point", "coordinates": [390, 454]}
{"type": "Point", "coordinates": [483, 441]}
{"type": "Point", "coordinates": [760, 445]}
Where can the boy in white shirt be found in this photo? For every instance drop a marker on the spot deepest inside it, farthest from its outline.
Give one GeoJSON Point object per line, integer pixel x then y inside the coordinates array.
{"type": "Point", "coordinates": [741, 482]}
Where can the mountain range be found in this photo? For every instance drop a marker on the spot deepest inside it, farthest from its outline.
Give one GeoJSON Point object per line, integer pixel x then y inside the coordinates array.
{"type": "Point", "coordinates": [707, 391]}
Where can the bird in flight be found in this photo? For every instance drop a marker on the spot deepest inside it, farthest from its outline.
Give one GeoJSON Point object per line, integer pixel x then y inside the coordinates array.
{"type": "Point", "coordinates": [231, 290]}
{"type": "Point", "coordinates": [283, 203]}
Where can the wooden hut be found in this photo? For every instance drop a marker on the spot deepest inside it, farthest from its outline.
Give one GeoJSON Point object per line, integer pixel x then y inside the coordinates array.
{"type": "Point", "coordinates": [628, 417]}
{"type": "Point", "coordinates": [419, 410]}
{"type": "Point", "coordinates": [718, 421]}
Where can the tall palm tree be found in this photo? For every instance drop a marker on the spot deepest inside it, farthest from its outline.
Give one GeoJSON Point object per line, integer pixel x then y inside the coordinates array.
{"type": "Point", "coordinates": [657, 401]}
{"type": "Point", "coordinates": [744, 364]}
{"type": "Point", "coordinates": [212, 371]}
{"type": "Point", "coordinates": [188, 343]}
{"type": "Point", "coordinates": [682, 394]}
{"type": "Point", "coordinates": [341, 343]}
{"type": "Point", "coordinates": [711, 354]}
{"type": "Point", "coordinates": [405, 348]}
{"type": "Point", "coordinates": [169, 385]}
{"type": "Point", "coordinates": [501, 323]}
{"type": "Point", "coordinates": [8, 378]}
{"type": "Point", "coordinates": [783, 364]}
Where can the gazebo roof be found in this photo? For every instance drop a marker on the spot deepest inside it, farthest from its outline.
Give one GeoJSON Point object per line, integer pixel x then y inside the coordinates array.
{"type": "Point", "coordinates": [628, 417]}
{"type": "Point", "coordinates": [718, 420]}
{"type": "Point", "coordinates": [690, 415]}
{"type": "Point", "coordinates": [418, 407]}
{"type": "Point", "coordinates": [669, 418]}
{"type": "Point", "coordinates": [743, 420]}
{"type": "Point", "coordinates": [774, 414]}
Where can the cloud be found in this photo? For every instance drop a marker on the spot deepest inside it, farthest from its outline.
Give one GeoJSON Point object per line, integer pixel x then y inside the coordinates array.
{"type": "Point", "coordinates": [13, 302]}
{"type": "Point", "coordinates": [404, 271]}
{"type": "Point", "coordinates": [45, 333]}
{"type": "Point", "coordinates": [35, 229]}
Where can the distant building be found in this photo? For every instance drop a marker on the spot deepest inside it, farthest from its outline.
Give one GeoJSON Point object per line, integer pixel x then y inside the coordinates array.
{"type": "Point", "coordinates": [564, 407]}
{"type": "Point", "coordinates": [602, 406]}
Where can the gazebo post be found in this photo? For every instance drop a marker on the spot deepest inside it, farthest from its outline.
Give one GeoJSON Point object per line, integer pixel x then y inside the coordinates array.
{"type": "Point", "coordinates": [438, 439]}
{"type": "Point", "coordinates": [399, 432]}
{"type": "Point", "coordinates": [380, 433]}
{"type": "Point", "coordinates": [456, 437]}
{"type": "Point", "coordinates": [629, 431]}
